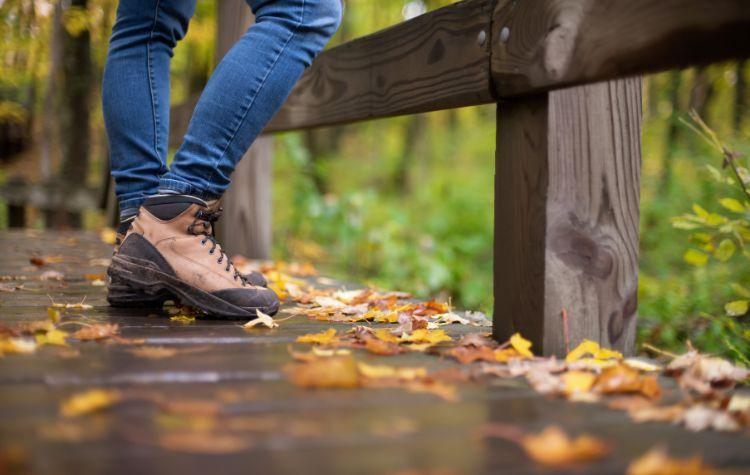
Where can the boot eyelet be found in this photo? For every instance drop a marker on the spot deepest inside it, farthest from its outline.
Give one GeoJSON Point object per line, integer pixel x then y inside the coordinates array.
{"type": "Point", "coordinates": [211, 251]}
{"type": "Point", "coordinates": [203, 242]}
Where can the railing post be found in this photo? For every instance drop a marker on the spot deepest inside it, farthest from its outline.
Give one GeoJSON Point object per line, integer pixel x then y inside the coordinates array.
{"type": "Point", "coordinates": [247, 203]}
{"type": "Point", "coordinates": [567, 182]}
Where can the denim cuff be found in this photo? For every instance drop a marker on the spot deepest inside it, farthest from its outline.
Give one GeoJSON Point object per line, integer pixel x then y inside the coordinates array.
{"type": "Point", "coordinates": [183, 188]}
{"type": "Point", "coordinates": [131, 205]}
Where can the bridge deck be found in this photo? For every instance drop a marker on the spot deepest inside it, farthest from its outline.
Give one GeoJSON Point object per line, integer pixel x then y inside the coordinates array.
{"type": "Point", "coordinates": [223, 401]}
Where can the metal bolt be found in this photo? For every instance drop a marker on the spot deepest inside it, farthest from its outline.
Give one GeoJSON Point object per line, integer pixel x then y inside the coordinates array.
{"type": "Point", "coordinates": [482, 37]}
{"type": "Point", "coordinates": [504, 34]}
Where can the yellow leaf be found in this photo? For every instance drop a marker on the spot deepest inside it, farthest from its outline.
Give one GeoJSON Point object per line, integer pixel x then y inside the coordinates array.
{"type": "Point", "coordinates": [108, 235]}
{"type": "Point", "coordinates": [262, 320]}
{"type": "Point", "coordinates": [737, 308]}
{"type": "Point", "coordinates": [384, 371]}
{"type": "Point", "coordinates": [732, 205]}
{"type": "Point", "coordinates": [587, 347]}
{"type": "Point", "coordinates": [695, 258]}
{"type": "Point", "coordinates": [385, 335]}
{"type": "Point", "coordinates": [54, 314]}
{"type": "Point", "coordinates": [554, 448]}
{"type": "Point", "coordinates": [333, 372]}
{"type": "Point", "coordinates": [20, 346]}
{"type": "Point", "coordinates": [88, 402]}
{"type": "Point", "coordinates": [521, 345]}
{"type": "Point", "coordinates": [424, 335]}
{"type": "Point", "coordinates": [184, 319]}
{"type": "Point", "coordinates": [578, 382]}
{"type": "Point", "coordinates": [327, 337]}
{"type": "Point", "coordinates": [592, 348]}
{"type": "Point", "coordinates": [52, 337]}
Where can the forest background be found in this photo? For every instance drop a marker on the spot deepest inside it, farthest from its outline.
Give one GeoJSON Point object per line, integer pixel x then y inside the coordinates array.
{"type": "Point", "coordinates": [405, 203]}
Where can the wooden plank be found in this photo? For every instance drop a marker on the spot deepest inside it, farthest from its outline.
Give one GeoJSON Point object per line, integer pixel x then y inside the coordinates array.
{"type": "Point", "coordinates": [246, 227]}
{"type": "Point", "coordinates": [439, 60]}
{"type": "Point", "coordinates": [545, 44]}
{"type": "Point", "coordinates": [566, 216]}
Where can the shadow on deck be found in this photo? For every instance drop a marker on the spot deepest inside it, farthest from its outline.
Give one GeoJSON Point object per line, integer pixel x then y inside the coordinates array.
{"type": "Point", "coordinates": [221, 399]}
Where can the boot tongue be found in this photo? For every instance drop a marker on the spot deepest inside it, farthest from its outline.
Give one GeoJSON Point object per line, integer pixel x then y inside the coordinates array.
{"type": "Point", "coordinates": [167, 207]}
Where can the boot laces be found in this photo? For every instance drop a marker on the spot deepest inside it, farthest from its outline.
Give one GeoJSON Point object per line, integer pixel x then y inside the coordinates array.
{"type": "Point", "coordinates": [206, 220]}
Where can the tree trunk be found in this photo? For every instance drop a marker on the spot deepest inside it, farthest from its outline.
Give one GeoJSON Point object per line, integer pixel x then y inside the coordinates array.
{"type": "Point", "coordinates": [740, 98]}
{"type": "Point", "coordinates": [702, 92]}
{"type": "Point", "coordinates": [76, 90]}
{"type": "Point", "coordinates": [675, 81]}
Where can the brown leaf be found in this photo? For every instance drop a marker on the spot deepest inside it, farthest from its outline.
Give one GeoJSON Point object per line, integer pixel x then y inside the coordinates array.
{"type": "Point", "coordinates": [153, 352]}
{"type": "Point", "coordinates": [203, 442]}
{"type": "Point", "coordinates": [553, 447]}
{"type": "Point", "coordinates": [333, 372]}
{"type": "Point", "coordinates": [624, 379]}
{"type": "Point", "coordinates": [657, 462]}
{"type": "Point", "coordinates": [470, 354]}
{"type": "Point", "coordinates": [98, 331]}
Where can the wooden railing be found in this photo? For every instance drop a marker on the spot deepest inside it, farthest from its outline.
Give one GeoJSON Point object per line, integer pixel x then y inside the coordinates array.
{"type": "Point", "coordinates": [567, 172]}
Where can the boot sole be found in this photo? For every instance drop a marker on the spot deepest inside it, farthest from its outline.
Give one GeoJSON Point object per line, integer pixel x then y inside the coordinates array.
{"type": "Point", "coordinates": [142, 277]}
{"type": "Point", "coordinates": [122, 295]}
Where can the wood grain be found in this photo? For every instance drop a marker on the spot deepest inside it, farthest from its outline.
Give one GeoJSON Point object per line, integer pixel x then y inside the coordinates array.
{"type": "Point", "coordinates": [432, 62]}
{"type": "Point", "coordinates": [556, 43]}
{"type": "Point", "coordinates": [246, 226]}
{"type": "Point", "coordinates": [566, 215]}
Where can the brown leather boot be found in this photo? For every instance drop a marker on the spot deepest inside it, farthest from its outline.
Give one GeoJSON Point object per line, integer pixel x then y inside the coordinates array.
{"type": "Point", "coordinates": [170, 247]}
{"type": "Point", "coordinates": [120, 294]}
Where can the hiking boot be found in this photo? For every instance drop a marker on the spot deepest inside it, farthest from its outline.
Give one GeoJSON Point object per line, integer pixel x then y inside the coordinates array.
{"type": "Point", "coordinates": [120, 294]}
{"type": "Point", "coordinates": [171, 249]}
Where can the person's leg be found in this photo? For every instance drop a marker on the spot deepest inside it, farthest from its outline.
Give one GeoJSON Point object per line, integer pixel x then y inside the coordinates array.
{"type": "Point", "coordinates": [135, 94]}
{"type": "Point", "coordinates": [246, 89]}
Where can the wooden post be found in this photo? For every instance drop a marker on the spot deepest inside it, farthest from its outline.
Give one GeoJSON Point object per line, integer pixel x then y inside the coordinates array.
{"type": "Point", "coordinates": [567, 182]}
{"type": "Point", "coordinates": [246, 226]}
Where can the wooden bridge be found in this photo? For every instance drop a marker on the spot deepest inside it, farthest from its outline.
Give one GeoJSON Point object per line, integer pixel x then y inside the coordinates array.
{"type": "Point", "coordinates": [564, 74]}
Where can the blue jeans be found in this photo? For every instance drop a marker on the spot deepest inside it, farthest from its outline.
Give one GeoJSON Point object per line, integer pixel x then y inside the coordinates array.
{"type": "Point", "coordinates": [247, 88]}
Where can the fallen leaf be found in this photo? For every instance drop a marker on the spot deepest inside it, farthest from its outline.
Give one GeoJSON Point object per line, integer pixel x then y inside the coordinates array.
{"type": "Point", "coordinates": [424, 335]}
{"type": "Point", "coordinates": [53, 314]}
{"type": "Point", "coordinates": [262, 319]}
{"type": "Point", "coordinates": [553, 447]}
{"type": "Point", "coordinates": [10, 287]}
{"type": "Point", "coordinates": [18, 346]}
{"type": "Point", "coordinates": [98, 331]}
{"type": "Point", "coordinates": [333, 372]}
{"type": "Point", "coordinates": [53, 337]}
{"type": "Point", "coordinates": [183, 319]}
{"type": "Point", "coordinates": [700, 417]}
{"type": "Point", "coordinates": [624, 379]}
{"type": "Point", "coordinates": [327, 337]}
{"type": "Point", "coordinates": [108, 235]}
{"type": "Point", "coordinates": [470, 354]}
{"type": "Point", "coordinates": [89, 401]}
{"type": "Point", "coordinates": [51, 275]}
{"type": "Point", "coordinates": [384, 371]}
{"type": "Point", "coordinates": [578, 382]}
{"type": "Point", "coordinates": [521, 345]}
{"type": "Point", "coordinates": [203, 442]}
{"type": "Point", "coordinates": [153, 352]}
{"type": "Point", "coordinates": [592, 348]}
{"type": "Point", "coordinates": [657, 462]}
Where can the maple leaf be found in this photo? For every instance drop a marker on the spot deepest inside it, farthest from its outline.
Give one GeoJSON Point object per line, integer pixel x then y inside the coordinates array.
{"type": "Point", "coordinates": [99, 331]}
{"type": "Point", "coordinates": [262, 320]}
{"type": "Point", "coordinates": [327, 337]}
{"type": "Point", "coordinates": [657, 462]}
{"type": "Point", "coordinates": [203, 442]}
{"type": "Point", "coordinates": [89, 401]}
{"type": "Point", "coordinates": [423, 335]}
{"type": "Point", "coordinates": [624, 379]}
{"type": "Point", "coordinates": [470, 354]}
{"type": "Point", "coordinates": [53, 337]}
{"type": "Point", "coordinates": [521, 345]}
{"type": "Point", "coordinates": [577, 382]}
{"type": "Point", "coordinates": [333, 372]}
{"type": "Point", "coordinates": [592, 348]}
{"type": "Point", "coordinates": [553, 447]}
